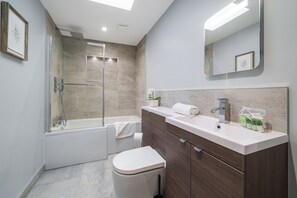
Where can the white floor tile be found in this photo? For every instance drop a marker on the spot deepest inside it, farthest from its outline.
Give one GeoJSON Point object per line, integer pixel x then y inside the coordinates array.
{"type": "Point", "coordinates": [88, 180]}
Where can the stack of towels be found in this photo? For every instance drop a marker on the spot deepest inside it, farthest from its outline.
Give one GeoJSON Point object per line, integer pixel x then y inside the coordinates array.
{"type": "Point", "coordinates": [188, 110]}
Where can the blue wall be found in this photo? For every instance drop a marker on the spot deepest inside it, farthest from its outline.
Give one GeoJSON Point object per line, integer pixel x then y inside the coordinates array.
{"type": "Point", "coordinates": [22, 106]}
{"type": "Point", "coordinates": [175, 52]}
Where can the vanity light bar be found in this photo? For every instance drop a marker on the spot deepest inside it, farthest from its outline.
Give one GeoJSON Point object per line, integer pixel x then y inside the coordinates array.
{"type": "Point", "coordinates": [228, 13]}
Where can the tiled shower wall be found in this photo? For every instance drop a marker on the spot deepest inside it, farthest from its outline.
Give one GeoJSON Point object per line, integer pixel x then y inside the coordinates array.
{"type": "Point", "coordinates": [140, 75]}
{"type": "Point", "coordinates": [120, 80]}
{"type": "Point", "coordinates": [273, 100]}
{"type": "Point", "coordinates": [85, 100]}
{"type": "Point", "coordinates": [82, 97]}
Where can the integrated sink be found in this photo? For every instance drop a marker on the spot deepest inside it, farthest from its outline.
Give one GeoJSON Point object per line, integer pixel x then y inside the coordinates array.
{"type": "Point", "coordinates": [230, 135]}
{"type": "Point", "coordinates": [212, 125]}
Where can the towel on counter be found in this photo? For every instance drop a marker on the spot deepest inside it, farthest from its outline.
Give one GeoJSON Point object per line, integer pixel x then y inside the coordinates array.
{"type": "Point", "coordinates": [185, 109]}
{"type": "Point", "coordinates": [125, 129]}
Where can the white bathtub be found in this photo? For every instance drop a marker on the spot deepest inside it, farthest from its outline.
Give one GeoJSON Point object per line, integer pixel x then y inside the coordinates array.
{"type": "Point", "coordinates": [85, 140]}
{"type": "Point", "coordinates": [94, 123]}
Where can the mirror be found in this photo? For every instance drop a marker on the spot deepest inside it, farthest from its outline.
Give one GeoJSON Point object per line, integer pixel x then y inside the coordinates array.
{"type": "Point", "coordinates": [233, 37]}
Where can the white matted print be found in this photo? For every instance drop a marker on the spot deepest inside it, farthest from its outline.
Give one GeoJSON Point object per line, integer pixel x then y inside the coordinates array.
{"type": "Point", "coordinates": [16, 34]}
{"type": "Point", "coordinates": [14, 31]}
{"type": "Point", "coordinates": [245, 61]}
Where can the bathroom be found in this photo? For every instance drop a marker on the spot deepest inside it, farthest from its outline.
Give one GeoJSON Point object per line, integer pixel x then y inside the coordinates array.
{"type": "Point", "coordinates": [104, 78]}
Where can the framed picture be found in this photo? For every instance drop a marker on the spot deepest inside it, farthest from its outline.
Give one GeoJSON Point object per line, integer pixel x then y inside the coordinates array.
{"type": "Point", "coordinates": [245, 61]}
{"type": "Point", "coordinates": [14, 32]}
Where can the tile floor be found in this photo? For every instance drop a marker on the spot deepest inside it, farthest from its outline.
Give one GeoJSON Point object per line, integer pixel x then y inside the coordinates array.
{"type": "Point", "coordinates": [81, 181]}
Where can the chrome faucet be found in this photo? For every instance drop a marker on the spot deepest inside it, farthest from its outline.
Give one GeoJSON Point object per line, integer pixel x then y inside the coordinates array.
{"type": "Point", "coordinates": [59, 121]}
{"type": "Point", "coordinates": [224, 110]}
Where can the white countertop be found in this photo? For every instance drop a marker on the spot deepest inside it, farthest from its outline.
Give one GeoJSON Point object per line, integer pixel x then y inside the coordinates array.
{"type": "Point", "coordinates": [230, 135]}
{"type": "Point", "coordinates": [162, 111]}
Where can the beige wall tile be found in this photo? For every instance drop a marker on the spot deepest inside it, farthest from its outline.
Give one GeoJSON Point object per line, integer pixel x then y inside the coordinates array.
{"type": "Point", "coordinates": [273, 100]}
{"type": "Point", "coordinates": [119, 80]}
{"type": "Point", "coordinates": [140, 72]}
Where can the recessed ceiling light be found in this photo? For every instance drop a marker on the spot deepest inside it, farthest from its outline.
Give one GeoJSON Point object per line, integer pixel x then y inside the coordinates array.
{"type": "Point", "coordinates": [122, 4]}
{"type": "Point", "coordinates": [104, 29]}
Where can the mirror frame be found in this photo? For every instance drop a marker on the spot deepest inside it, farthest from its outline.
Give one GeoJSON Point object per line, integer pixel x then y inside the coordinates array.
{"type": "Point", "coordinates": [258, 70]}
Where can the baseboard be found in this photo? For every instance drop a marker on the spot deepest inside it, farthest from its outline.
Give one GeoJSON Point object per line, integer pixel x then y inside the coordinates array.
{"type": "Point", "coordinates": [29, 187]}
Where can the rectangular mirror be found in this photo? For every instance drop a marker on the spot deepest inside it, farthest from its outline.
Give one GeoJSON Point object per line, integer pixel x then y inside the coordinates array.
{"type": "Point", "coordinates": [233, 34]}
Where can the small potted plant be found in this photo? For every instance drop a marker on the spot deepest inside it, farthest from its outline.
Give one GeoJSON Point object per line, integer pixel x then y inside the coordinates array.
{"type": "Point", "coordinates": [159, 100]}
{"type": "Point", "coordinates": [154, 102]}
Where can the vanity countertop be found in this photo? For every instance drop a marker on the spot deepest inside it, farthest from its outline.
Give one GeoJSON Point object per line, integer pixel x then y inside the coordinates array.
{"type": "Point", "coordinates": [162, 111]}
{"type": "Point", "coordinates": [231, 135]}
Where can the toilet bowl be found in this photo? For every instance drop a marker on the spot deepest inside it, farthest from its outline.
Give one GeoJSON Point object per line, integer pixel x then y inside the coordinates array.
{"type": "Point", "coordinates": [135, 173]}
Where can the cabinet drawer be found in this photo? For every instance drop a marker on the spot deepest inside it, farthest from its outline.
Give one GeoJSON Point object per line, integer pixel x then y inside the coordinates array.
{"type": "Point", "coordinates": [178, 132]}
{"type": "Point", "coordinates": [231, 157]}
{"type": "Point", "coordinates": [177, 167]}
{"type": "Point", "coordinates": [211, 177]}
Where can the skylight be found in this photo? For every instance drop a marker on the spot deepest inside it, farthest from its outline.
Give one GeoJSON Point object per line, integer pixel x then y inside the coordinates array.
{"type": "Point", "coordinates": [227, 14]}
{"type": "Point", "coordinates": [122, 4]}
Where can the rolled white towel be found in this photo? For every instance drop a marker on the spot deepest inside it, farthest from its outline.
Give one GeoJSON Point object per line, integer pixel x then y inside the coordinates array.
{"type": "Point", "coordinates": [185, 109]}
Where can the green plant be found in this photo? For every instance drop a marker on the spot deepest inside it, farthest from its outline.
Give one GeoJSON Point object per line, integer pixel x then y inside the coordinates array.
{"type": "Point", "coordinates": [254, 121]}
{"type": "Point", "coordinates": [248, 121]}
{"type": "Point", "coordinates": [243, 120]}
{"type": "Point", "coordinates": [150, 97]}
{"type": "Point", "coordinates": [259, 122]}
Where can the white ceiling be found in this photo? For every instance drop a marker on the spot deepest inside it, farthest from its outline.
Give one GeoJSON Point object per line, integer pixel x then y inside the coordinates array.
{"type": "Point", "coordinates": [89, 17]}
{"type": "Point", "coordinates": [243, 21]}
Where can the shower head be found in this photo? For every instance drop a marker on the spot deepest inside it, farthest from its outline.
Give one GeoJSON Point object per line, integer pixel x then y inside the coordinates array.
{"type": "Point", "coordinates": [96, 44]}
{"type": "Point", "coordinates": [77, 35]}
{"type": "Point", "coordinates": [66, 32]}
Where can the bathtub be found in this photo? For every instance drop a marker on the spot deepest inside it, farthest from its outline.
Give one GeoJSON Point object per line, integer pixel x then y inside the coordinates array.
{"type": "Point", "coordinates": [85, 140]}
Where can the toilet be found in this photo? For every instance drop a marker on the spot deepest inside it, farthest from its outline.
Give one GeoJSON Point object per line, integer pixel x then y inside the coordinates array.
{"type": "Point", "coordinates": [135, 173]}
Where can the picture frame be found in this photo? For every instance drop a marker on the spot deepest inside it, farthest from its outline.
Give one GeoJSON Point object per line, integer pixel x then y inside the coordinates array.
{"type": "Point", "coordinates": [245, 61]}
{"type": "Point", "coordinates": [14, 32]}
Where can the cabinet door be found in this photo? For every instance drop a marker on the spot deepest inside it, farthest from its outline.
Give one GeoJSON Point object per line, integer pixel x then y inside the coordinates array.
{"type": "Point", "coordinates": [146, 127]}
{"type": "Point", "coordinates": [177, 167]}
{"type": "Point", "coordinates": [211, 177]}
{"type": "Point", "coordinates": [159, 134]}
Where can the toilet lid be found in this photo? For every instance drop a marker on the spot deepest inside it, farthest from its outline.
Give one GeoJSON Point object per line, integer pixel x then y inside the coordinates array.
{"type": "Point", "coordinates": [138, 160]}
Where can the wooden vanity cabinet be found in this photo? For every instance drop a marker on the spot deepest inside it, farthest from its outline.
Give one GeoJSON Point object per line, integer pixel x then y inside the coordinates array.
{"type": "Point", "coordinates": [146, 128]}
{"type": "Point", "coordinates": [211, 177]}
{"type": "Point", "coordinates": [159, 134]}
{"type": "Point", "coordinates": [178, 165]}
{"type": "Point", "coordinates": [218, 172]}
{"type": "Point", "coordinates": [199, 168]}
{"type": "Point", "coordinates": [154, 132]}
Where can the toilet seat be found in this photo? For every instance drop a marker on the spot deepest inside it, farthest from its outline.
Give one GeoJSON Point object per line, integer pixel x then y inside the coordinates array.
{"type": "Point", "coordinates": [137, 161]}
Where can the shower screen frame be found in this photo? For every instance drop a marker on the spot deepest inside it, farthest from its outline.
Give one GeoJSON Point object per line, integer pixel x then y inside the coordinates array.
{"type": "Point", "coordinates": [48, 83]}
